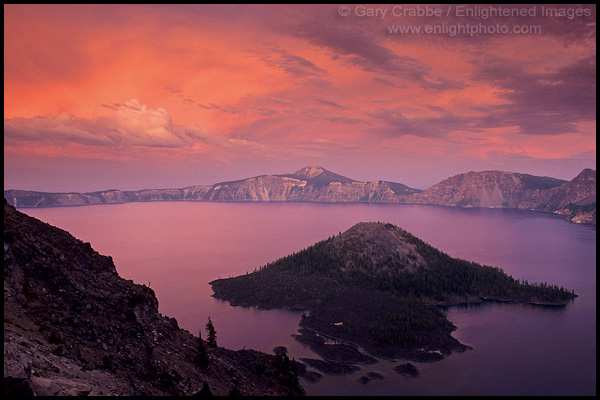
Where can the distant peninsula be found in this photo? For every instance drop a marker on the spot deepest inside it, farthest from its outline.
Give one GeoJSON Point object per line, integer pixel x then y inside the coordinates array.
{"type": "Point", "coordinates": [575, 199]}
{"type": "Point", "coordinates": [378, 287]}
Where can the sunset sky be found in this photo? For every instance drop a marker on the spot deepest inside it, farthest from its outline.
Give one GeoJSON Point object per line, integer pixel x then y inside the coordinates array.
{"type": "Point", "coordinates": [161, 96]}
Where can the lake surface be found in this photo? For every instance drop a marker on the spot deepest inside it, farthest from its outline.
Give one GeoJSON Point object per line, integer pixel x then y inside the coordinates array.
{"type": "Point", "coordinates": [178, 247]}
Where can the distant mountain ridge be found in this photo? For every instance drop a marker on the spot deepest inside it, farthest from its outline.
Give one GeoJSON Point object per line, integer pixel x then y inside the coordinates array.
{"type": "Point", "coordinates": [486, 189]}
{"type": "Point", "coordinates": [576, 199]}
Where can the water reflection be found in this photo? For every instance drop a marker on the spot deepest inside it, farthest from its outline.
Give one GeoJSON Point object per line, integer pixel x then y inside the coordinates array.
{"type": "Point", "coordinates": [518, 349]}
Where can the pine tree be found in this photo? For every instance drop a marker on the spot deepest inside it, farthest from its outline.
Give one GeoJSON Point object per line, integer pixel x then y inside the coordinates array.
{"type": "Point", "coordinates": [212, 333]}
{"type": "Point", "coordinates": [202, 357]}
{"type": "Point", "coordinates": [205, 391]}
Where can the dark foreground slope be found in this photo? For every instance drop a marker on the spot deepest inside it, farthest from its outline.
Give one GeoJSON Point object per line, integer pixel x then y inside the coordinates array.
{"type": "Point", "coordinates": [72, 326]}
{"type": "Point", "coordinates": [379, 286]}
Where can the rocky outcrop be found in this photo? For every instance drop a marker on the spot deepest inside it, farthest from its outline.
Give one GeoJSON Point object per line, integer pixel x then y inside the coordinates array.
{"type": "Point", "coordinates": [72, 326]}
{"type": "Point", "coordinates": [407, 369]}
{"type": "Point", "coordinates": [576, 199]}
{"type": "Point", "coordinates": [313, 184]}
{"type": "Point", "coordinates": [488, 189]}
{"type": "Point", "coordinates": [32, 199]}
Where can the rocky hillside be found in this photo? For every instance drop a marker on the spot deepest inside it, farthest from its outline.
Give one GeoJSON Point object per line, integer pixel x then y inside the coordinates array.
{"type": "Point", "coordinates": [576, 199]}
{"type": "Point", "coordinates": [308, 184]}
{"type": "Point", "coordinates": [488, 189]}
{"type": "Point", "coordinates": [72, 326]}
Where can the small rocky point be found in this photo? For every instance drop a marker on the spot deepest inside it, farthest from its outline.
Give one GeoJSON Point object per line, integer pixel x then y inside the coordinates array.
{"type": "Point", "coordinates": [72, 326]}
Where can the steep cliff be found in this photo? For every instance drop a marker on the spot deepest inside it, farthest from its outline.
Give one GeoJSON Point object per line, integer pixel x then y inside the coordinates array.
{"type": "Point", "coordinates": [72, 326]}
{"type": "Point", "coordinates": [488, 189]}
{"type": "Point", "coordinates": [576, 198]}
{"type": "Point", "coordinates": [308, 184]}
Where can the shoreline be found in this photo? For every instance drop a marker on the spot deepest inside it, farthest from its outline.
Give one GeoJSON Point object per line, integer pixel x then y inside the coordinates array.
{"type": "Point", "coordinates": [307, 336]}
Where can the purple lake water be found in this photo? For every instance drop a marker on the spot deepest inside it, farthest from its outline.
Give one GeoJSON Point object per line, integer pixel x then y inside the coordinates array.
{"type": "Point", "coordinates": [178, 247]}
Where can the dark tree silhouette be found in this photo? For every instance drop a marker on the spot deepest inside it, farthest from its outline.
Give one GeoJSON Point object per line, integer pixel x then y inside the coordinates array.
{"type": "Point", "coordinates": [205, 391]}
{"type": "Point", "coordinates": [212, 333]}
{"type": "Point", "coordinates": [202, 357]}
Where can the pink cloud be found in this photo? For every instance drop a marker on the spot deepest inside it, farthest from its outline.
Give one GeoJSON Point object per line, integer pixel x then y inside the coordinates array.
{"type": "Point", "coordinates": [274, 86]}
{"type": "Point", "coordinates": [133, 124]}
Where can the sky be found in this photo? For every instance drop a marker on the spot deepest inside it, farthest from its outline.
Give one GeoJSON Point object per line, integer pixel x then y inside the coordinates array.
{"type": "Point", "coordinates": [166, 96]}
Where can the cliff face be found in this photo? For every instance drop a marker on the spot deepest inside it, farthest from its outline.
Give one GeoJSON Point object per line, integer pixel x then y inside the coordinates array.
{"type": "Point", "coordinates": [32, 199]}
{"type": "Point", "coordinates": [72, 326]}
{"type": "Point", "coordinates": [283, 188]}
{"type": "Point", "coordinates": [574, 199]}
{"type": "Point", "coordinates": [580, 191]}
{"type": "Point", "coordinates": [307, 184]}
{"type": "Point", "coordinates": [488, 189]}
